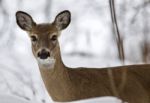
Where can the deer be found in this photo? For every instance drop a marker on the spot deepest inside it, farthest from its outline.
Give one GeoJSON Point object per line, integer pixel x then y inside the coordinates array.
{"type": "Point", "coordinates": [65, 84]}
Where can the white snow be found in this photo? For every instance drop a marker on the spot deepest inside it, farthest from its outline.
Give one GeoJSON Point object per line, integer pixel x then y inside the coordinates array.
{"type": "Point", "coordinates": [6, 98]}
{"type": "Point", "coordinates": [100, 100]}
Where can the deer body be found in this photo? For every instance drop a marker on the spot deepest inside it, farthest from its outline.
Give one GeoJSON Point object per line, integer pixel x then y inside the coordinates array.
{"type": "Point", "coordinates": [66, 84]}
{"type": "Point", "coordinates": [81, 83]}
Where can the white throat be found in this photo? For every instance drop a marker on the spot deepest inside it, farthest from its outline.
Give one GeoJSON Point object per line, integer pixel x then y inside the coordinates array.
{"type": "Point", "coordinates": [46, 63]}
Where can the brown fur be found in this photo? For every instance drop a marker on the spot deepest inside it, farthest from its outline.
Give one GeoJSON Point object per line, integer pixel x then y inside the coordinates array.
{"type": "Point", "coordinates": [66, 84]}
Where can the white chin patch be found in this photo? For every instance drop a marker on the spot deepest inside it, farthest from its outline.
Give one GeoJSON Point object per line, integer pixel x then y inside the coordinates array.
{"type": "Point", "coordinates": [48, 63]}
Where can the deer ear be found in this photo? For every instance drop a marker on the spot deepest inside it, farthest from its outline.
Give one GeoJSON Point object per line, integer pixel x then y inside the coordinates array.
{"type": "Point", "coordinates": [24, 21]}
{"type": "Point", "coordinates": [62, 20]}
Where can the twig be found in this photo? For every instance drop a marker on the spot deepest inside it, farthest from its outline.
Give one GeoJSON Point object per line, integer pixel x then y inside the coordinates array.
{"type": "Point", "coordinates": [119, 41]}
{"type": "Point", "coordinates": [138, 9]}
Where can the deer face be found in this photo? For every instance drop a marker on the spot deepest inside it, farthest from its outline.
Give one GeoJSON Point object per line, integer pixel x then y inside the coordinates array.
{"type": "Point", "coordinates": [44, 37]}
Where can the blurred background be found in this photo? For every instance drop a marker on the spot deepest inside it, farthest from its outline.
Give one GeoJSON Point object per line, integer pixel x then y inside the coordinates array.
{"type": "Point", "coordinates": [89, 41]}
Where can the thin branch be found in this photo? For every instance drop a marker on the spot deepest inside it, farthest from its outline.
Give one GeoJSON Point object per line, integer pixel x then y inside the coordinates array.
{"type": "Point", "coordinates": [5, 18]}
{"type": "Point", "coordinates": [138, 9]}
{"type": "Point", "coordinates": [119, 42]}
{"type": "Point", "coordinates": [48, 9]}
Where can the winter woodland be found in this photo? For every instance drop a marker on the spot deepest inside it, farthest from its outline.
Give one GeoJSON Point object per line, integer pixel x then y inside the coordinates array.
{"type": "Point", "coordinates": [88, 42]}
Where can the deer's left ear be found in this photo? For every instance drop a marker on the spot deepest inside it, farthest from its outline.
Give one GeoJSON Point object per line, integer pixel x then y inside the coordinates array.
{"type": "Point", "coordinates": [62, 20]}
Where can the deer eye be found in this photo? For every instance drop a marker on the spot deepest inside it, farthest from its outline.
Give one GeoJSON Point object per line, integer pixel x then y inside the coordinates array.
{"type": "Point", "coordinates": [33, 38]}
{"type": "Point", "coordinates": [54, 38]}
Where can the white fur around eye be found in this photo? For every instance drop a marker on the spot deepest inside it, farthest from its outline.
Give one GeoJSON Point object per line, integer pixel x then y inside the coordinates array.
{"type": "Point", "coordinates": [34, 38]}
{"type": "Point", "coordinates": [53, 37]}
{"type": "Point", "coordinates": [53, 34]}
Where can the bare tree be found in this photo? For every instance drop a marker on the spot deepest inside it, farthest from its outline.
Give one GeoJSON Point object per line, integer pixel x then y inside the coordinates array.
{"type": "Point", "coordinates": [48, 7]}
{"type": "Point", "coordinates": [5, 16]}
{"type": "Point", "coordinates": [146, 31]}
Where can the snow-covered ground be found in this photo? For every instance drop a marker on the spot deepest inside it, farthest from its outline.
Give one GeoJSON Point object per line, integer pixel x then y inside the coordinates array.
{"type": "Point", "coordinates": [100, 100]}
{"type": "Point", "coordinates": [13, 99]}
{"type": "Point", "coordinates": [5, 98]}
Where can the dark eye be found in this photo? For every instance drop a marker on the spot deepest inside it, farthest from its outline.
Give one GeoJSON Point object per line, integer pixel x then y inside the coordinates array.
{"type": "Point", "coordinates": [33, 38]}
{"type": "Point", "coordinates": [54, 37]}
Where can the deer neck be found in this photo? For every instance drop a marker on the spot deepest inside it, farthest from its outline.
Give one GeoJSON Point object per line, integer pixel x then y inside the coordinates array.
{"type": "Point", "coordinates": [58, 68]}
{"type": "Point", "coordinates": [55, 79]}
{"type": "Point", "coordinates": [59, 65]}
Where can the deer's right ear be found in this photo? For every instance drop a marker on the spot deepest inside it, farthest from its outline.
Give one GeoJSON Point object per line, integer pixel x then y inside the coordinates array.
{"type": "Point", "coordinates": [24, 21]}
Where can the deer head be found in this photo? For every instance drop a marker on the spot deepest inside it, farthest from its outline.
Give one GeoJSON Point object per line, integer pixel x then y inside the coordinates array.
{"type": "Point", "coordinates": [44, 36]}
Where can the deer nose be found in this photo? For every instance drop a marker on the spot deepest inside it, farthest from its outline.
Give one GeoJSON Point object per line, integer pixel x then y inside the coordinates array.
{"type": "Point", "coordinates": [43, 54]}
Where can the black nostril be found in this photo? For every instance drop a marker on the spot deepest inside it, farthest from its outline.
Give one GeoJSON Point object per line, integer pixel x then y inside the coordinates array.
{"type": "Point", "coordinates": [43, 54]}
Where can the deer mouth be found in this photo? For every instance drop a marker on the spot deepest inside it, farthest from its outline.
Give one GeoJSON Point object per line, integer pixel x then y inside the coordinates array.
{"type": "Point", "coordinates": [48, 62]}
